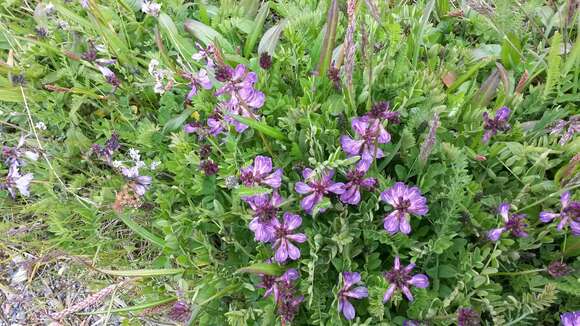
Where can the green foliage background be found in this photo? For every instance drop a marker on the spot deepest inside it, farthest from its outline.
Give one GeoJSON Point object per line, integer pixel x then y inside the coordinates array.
{"type": "Point", "coordinates": [199, 226]}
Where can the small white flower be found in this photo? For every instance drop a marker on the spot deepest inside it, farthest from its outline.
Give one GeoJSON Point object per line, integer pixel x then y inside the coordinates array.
{"type": "Point", "coordinates": [49, 8]}
{"type": "Point", "coordinates": [140, 164]}
{"type": "Point", "coordinates": [151, 8]}
{"type": "Point", "coordinates": [40, 125]}
{"type": "Point", "coordinates": [134, 154]}
{"type": "Point", "coordinates": [153, 65]}
{"type": "Point", "coordinates": [62, 24]}
{"type": "Point", "coordinates": [159, 88]}
{"type": "Point", "coordinates": [117, 164]}
{"type": "Point", "coordinates": [154, 165]}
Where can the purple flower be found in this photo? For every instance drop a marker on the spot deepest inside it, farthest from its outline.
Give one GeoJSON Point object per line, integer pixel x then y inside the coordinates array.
{"type": "Point", "coordinates": [209, 167]}
{"type": "Point", "coordinates": [405, 200]}
{"type": "Point", "coordinates": [370, 133]}
{"type": "Point", "coordinates": [16, 181]}
{"type": "Point", "coordinates": [400, 278]}
{"type": "Point", "coordinates": [206, 53]}
{"type": "Point", "coordinates": [243, 98]}
{"type": "Point", "coordinates": [264, 210]}
{"type": "Point", "coordinates": [215, 122]}
{"type": "Point", "coordinates": [260, 173]}
{"type": "Point", "coordinates": [284, 294]}
{"type": "Point", "coordinates": [139, 183]}
{"type": "Point", "coordinates": [193, 128]}
{"type": "Point", "coordinates": [109, 149]}
{"type": "Point", "coordinates": [468, 317]}
{"type": "Point", "coordinates": [570, 318]}
{"type": "Point", "coordinates": [514, 223]}
{"type": "Point", "coordinates": [380, 111]}
{"type": "Point", "coordinates": [283, 237]}
{"type": "Point", "coordinates": [180, 311]}
{"type": "Point", "coordinates": [569, 214]}
{"type": "Point", "coordinates": [317, 189]}
{"type": "Point", "coordinates": [110, 76]}
{"type": "Point", "coordinates": [14, 155]}
{"type": "Point", "coordinates": [559, 269]}
{"type": "Point", "coordinates": [356, 180]}
{"type": "Point", "coordinates": [347, 293]}
{"type": "Point", "coordinates": [274, 285]}
{"type": "Point", "coordinates": [200, 79]}
{"type": "Point", "coordinates": [566, 128]}
{"type": "Point", "coordinates": [498, 123]}
{"type": "Point", "coordinates": [412, 323]}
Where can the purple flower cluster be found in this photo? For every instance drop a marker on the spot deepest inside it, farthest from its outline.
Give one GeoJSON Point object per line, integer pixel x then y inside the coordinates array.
{"type": "Point", "coordinates": [106, 152]}
{"type": "Point", "coordinates": [513, 223]}
{"type": "Point", "coordinates": [569, 214]}
{"type": "Point", "coordinates": [498, 123]}
{"type": "Point", "coordinates": [468, 317]}
{"type": "Point", "coordinates": [237, 94]}
{"type": "Point", "coordinates": [13, 158]}
{"type": "Point", "coordinates": [137, 182]}
{"type": "Point", "coordinates": [566, 129]}
{"type": "Point", "coordinates": [347, 292]}
{"type": "Point", "coordinates": [283, 289]}
{"type": "Point", "coordinates": [400, 278]}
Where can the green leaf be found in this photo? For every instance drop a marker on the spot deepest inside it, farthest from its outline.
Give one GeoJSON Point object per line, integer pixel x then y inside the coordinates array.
{"type": "Point", "coordinates": [257, 30]}
{"type": "Point", "coordinates": [131, 308]}
{"type": "Point", "coordinates": [251, 191]}
{"type": "Point", "coordinates": [262, 268]}
{"type": "Point", "coordinates": [261, 127]}
{"type": "Point", "coordinates": [206, 34]}
{"type": "Point", "coordinates": [143, 272]}
{"type": "Point", "coordinates": [329, 38]}
{"type": "Point", "coordinates": [182, 45]}
{"type": "Point", "coordinates": [270, 39]}
{"type": "Point", "coordinates": [141, 231]}
{"type": "Point", "coordinates": [176, 122]}
{"type": "Point", "coordinates": [11, 94]}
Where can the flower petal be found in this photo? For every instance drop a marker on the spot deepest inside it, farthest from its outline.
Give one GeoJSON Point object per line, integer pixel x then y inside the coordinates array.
{"type": "Point", "coordinates": [358, 293]}
{"type": "Point", "coordinates": [293, 251]}
{"type": "Point", "coordinates": [262, 165]}
{"type": "Point", "coordinates": [389, 293]}
{"type": "Point", "coordinates": [351, 146]}
{"type": "Point", "coordinates": [404, 224]}
{"type": "Point", "coordinates": [282, 251]}
{"type": "Point", "coordinates": [420, 281]}
{"type": "Point", "coordinates": [298, 237]}
{"type": "Point", "coordinates": [548, 216]}
{"type": "Point", "coordinates": [350, 278]}
{"type": "Point", "coordinates": [360, 125]}
{"type": "Point", "coordinates": [292, 221]}
{"type": "Point", "coordinates": [347, 310]}
{"type": "Point", "coordinates": [565, 199]}
{"type": "Point", "coordinates": [309, 201]}
{"type": "Point", "coordinates": [337, 188]}
{"type": "Point", "coordinates": [274, 180]}
{"type": "Point", "coordinates": [391, 222]}
{"type": "Point", "coordinates": [503, 210]}
{"type": "Point", "coordinates": [494, 234]}
{"type": "Point", "coordinates": [407, 293]}
{"type": "Point", "coordinates": [302, 188]}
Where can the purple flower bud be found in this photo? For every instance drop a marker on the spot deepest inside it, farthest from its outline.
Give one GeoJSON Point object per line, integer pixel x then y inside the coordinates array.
{"type": "Point", "coordinates": [265, 61]}
{"type": "Point", "coordinates": [559, 269]}
{"type": "Point", "coordinates": [204, 151]}
{"type": "Point", "coordinates": [209, 167]}
{"type": "Point", "coordinates": [180, 312]}
{"type": "Point", "coordinates": [468, 317]}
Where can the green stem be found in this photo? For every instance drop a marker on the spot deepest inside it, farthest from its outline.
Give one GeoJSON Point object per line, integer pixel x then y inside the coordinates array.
{"type": "Point", "coordinates": [531, 271]}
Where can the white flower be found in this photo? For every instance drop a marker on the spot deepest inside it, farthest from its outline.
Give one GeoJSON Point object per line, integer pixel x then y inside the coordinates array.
{"type": "Point", "coordinates": [153, 64]}
{"type": "Point", "coordinates": [117, 164]}
{"type": "Point", "coordinates": [154, 165]}
{"type": "Point", "coordinates": [40, 125]}
{"type": "Point", "coordinates": [151, 8]}
{"type": "Point", "coordinates": [134, 154]}
{"type": "Point", "coordinates": [140, 164]}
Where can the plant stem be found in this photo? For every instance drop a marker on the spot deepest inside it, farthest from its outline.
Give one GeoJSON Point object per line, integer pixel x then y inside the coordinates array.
{"type": "Point", "coordinates": [531, 271]}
